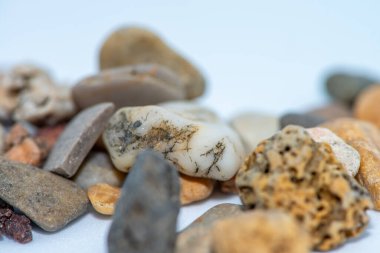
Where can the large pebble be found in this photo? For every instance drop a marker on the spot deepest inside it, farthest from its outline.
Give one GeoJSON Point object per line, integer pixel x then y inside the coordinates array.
{"type": "Point", "coordinates": [146, 215]}
{"type": "Point", "coordinates": [365, 138]}
{"type": "Point", "coordinates": [196, 238]}
{"type": "Point", "coordinates": [98, 168]}
{"type": "Point", "coordinates": [77, 139]}
{"type": "Point", "coordinates": [347, 155]}
{"type": "Point", "coordinates": [48, 200]}
{"type": "Point", "coordinates": [199, 149]}
{"type": "Point", "coordinates": [345, 87]}
{"type": "Point", "coordinates": [136, 85]}
{"type": "Point", "coordinates": [300, 119]}
{"type": "Point", "coordinates": [254, 127]}
{"type": "Point", "coordinates": [260, 231]}
{"type": "Point", "coordinates": [293, 173]}
{"type": "Point", "coordinates": [367, 105]}
{"type": "Point", "coordinates": [133, 45]}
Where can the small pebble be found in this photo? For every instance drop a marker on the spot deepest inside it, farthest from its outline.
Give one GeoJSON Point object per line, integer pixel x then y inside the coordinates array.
{"type": "Point", "coordinates": [77, 139]}
{"type": "Point", "coordinates": [259, 231]}
{"type": "Point", "coordinates": [332, 111]}
{"type": "Point", "coordinates": [367, 105]}
{"type": "Point", "coordinates": [133, 45]}
{"type": "Point", "coordinates": [98, 168]}
{"type": "Point", "coordinates": [27, 152]}
{"type": "Point", "coordinates": [195, 188]}
{"type": "Point", "coordinates": [228, 186]}
{"type": "Point", "coordinates": [48, 200]}
{"type": "Point", "coordinates": [299, 119]}
{"type": "Point", "coordinates": [2, 139]}
{"type": "Point", "coordinates": [15, 136]}
{"type": "Point", "coordinates": [50, 134]}
{"type": "Point", "coordinates": [103, 198]}
{"type": "Point", "coordinates": [146, 215]}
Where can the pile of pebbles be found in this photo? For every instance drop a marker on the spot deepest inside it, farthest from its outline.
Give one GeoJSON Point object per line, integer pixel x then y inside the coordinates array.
{"type": "Point", "coordinates": [132, 142]}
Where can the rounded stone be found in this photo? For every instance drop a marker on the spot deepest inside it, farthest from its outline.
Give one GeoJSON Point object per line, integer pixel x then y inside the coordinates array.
{"type": "Point", "coordinates": [367, 105]}
{"type": "Point", "coordinates": [300, 119]}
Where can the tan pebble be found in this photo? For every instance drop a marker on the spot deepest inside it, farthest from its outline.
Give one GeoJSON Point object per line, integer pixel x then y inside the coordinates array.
{"type": "Point", "coordinates": [259, 231]}
{"type": "Point", "coordinates": [27, 152]}
{"type": "Point", "coordinates": [103, 198]}
{"type": "Point", "coordinates": [195, 189]}
{"type": "Point", "coordinates": [228, 186]}
{"type": "Point", "coordinates": [15, 136]}
{"type": "Point", "coordinates": [367, 105]}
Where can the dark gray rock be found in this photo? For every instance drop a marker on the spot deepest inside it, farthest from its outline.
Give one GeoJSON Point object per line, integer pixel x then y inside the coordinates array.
{"type": "Point", "coordinates": [135, 85]}
{"type": "Point", "coordinates": [146, 214]}
{"type": "Point", "coordinates": [48, 200]}
{"type": "Point", "coordinates": [77, 139]}
{"type": "Point", "coordinates": [300, 119]}
{"type": "Point", "coordinates": [346, 87]}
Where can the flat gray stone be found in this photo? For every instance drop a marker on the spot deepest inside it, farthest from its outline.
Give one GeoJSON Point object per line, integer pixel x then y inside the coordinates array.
{"type": "Point", "coordinates": [146, 214]}
{"type": "Point", "coordinates": [196, 238]}
{"type": "Point", "coordinates": [48, 200]}
{"type": "Point", "coordinates": [77, 139]}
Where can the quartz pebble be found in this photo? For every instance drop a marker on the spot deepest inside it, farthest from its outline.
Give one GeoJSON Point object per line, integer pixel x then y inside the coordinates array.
{"type": "Point", "coordinates": [293, 173]}
{"type": "Point", "coordinates": [344, 153]}
{"type": "Point", "coordinates": [133, 45]}
{"type": "Point", "coordinates": [98, 168]}
{"type": "Point", "coordinates": [365, 138]}
{"type": "Point", "coordinates": [103, 198]}
{"type": "Point", "coordinates": [146, 214]}
{"type": "Point", "coordinates": [345, 87]}
{"type": "Point", "coordinates": [134, 85]}
{"type": "Point", "coordinates": [254, 127]}
{"type": "Point", "coordinates": [300, 119]}
{"type": "Point", "coordinates": [195, 189]}
{"type": "Point", "coordinates": [199, 149]}
{"type": "Point", "coordinates": [196, 238]}
{"type": "Point", "coordinates": [77, 139]}
{"type": "Point", "coordinates": [367, 105]}
{"type": "Point", "coordinates": [259, 231]}
{"type": "Point", "coordinates": [48, 200]}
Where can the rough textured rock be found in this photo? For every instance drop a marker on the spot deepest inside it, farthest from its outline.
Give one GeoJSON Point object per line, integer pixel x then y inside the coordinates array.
{"type": "Point", "coordinates": [292, 172]}
{"type": "Point", "coordinates": [260, 231]}
{"type": "Point", "coordinates": [15, 226]}
{"type": "Point", "coordinates": [48, 200]}
{"type": "Point", "coordinates": [367, 105]}
{"type": "Point", "coordinates": [98, 168]}
{"type": "Point", "coordinates": [332, 111]}
{"type": "Point", "coordinates": [195, 189]}
{"type": "Point", "coordinates": [304, 120]}
{"type": "Point", "coordinates": [365, 138]}
{"type": "Point", "coordinates": [254, 127]}
{"type": "Point", "coordinates": [77, 139]}
{"type": "Point", "coordinates": [133, 45]}
{"type": "Point", "coordinates": [135, 85]}
{"type": "Point", "coordinates": [345, 87]}
{"type": "Point", "coordinates": [196, 238]}
{"type": "Point", "coordinates": [145, 221]}
{"type": "Point", "coordinates": [344, 153]}
{"type": "Point", "coordinates": [199, 149]}
{"type": "Point", "coordinates": [103, 197]}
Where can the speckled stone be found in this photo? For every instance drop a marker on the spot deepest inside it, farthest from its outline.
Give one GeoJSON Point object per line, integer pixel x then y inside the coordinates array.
{"type": "Point", "coordinates": [98, 168]}
{"type": "Point", "coordinates": [134, 45]}
{"type": "Point", "coordinates": [299, 119]}
{"type": "Point", "coordinates": [135, 85]}
{"type": "Point", "coordinates": [145, 221]}
{"type": "Point", "coordinates": [48, 200]}
{"type": "Point", "coordinates": [77, 139]}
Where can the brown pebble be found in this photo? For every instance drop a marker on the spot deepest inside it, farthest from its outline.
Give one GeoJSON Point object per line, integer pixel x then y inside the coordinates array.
{"type": "Point", "coordinates": [367, 105]}
{"type": "Point", "coordinates": [332, 111]}
{"type": "Point", "coordinates": [50, 134]}
{"type": "Point", "coordinates": [15, 136]}
{"type": "Point", "coordinates": [27, 152]}
{"type": "Point", "coordinates": [228, 186]}
{"type": "Point", "coordinates": [195, 188]}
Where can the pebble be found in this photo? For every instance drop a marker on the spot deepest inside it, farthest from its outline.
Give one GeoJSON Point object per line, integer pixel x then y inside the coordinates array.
{"type": "Point", "coordinates": [98, 168]}
{"type": "Point", "coordinates": [2, 139]}
{"type": "Point", "coordinates": [259, 231]}
{"type": "Point", "coordinates": [345, 87]}
{"type": "Point", "coordinates": [48, 200]}
{"type": "Point", "coordinates": [15, 136]}
{"type": "Point", "coordinates": [332, 111]}
{"type": "Point", "coordinates": [228, 186]}
{"type": "Point", "coordinates": [145, 221]}
{"type": "Point", "coordinates": [196, 238]}
{"type": "Point", "coordinates": [134, 85]}
{"type": "Point", "coordinates": [367, 105]}
{"type": "Point", "coordinates": [27, 152]}
{"type": "Point", "coordinates": [50, 134]}
{"type": "Point", "coordinates": [365, 138]}
{"type": "Point", "coordinates": [134, 45]}
{"type": "Point", "coordinates": [103, 198]}
{"type": "Point", "coordinates": [293, 173]}
{"type": "Point", "coordinates": [199, 149]}
{"type": "Point", "coordinates": [254, 127]}
{"type": "Point", "coordinates": [194, 189]}
{"type": "Point", "coordinates": [344, 153]}
{"type": "Point", "coordinates": [300, 119]}
{"type": "Point", "coordinates": [77, 139]}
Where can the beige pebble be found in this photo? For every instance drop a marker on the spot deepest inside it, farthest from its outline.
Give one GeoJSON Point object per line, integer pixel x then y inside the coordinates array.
{"type": "Point", "coordinates": [195, 189]}
{"type": "Point", "coordinates": [103, 198]}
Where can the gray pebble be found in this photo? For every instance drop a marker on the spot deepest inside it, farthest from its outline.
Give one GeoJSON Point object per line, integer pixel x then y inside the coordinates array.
{"type": "Point", "coordinates": [304, 120]}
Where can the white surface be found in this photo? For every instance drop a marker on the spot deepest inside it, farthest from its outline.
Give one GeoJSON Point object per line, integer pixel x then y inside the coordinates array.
{"type": "Point", "coordinates": [257, 55]}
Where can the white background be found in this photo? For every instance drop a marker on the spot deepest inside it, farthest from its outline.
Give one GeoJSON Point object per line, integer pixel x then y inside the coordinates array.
{"type": "Point", "coordinates": [269, 56]}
